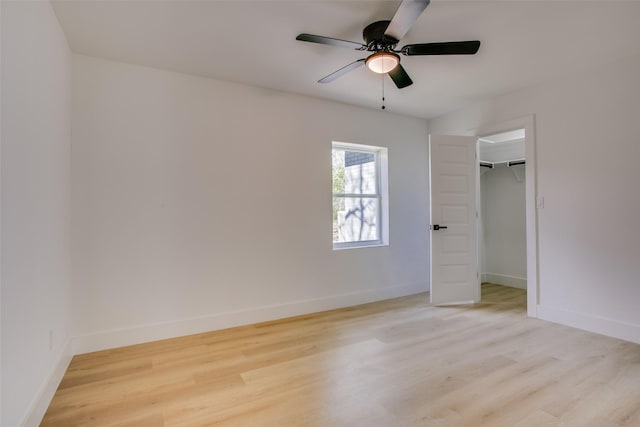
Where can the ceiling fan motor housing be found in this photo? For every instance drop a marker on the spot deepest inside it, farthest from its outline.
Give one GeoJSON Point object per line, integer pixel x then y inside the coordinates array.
{"type": "Point", "coordinates": [374, 37]}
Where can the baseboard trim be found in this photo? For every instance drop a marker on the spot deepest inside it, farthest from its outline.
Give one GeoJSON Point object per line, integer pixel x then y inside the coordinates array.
{"type": "Point", "coordinates": [146, 333]}
{"type": "Point", "coordinates": [42, 400]}
{"type": "Point", "coordinates": [600, 325]}
{"type": "Point", "coordinates": [504, 280]}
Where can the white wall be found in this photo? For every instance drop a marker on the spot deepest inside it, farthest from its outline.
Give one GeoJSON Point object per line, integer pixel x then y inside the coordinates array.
{"type": "Point", "coordinates": [588, 148]}
{"type": "Point", "coordinates": [36, 254]}
{"type": "Point", "coordinates": [504, 236]}
{"type": "Point", "coordinates": [200, 204]}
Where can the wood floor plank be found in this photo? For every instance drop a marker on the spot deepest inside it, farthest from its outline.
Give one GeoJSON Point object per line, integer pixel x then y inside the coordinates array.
{"type": "Point", "coordinates": [401, 362]}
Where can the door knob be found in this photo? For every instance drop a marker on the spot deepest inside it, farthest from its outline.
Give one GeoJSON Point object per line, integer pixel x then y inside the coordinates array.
{"type": "Point", "coordinates": [436, 227]}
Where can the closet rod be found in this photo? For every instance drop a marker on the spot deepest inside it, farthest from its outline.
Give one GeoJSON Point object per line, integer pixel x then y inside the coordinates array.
{"type": "Point", "coordinates": [516, 162]}
{"type": "Point", "coordinates": [509, 163]}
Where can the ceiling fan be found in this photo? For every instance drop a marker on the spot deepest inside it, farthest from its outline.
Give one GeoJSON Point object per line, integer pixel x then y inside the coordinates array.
{"type": "Point", "coordinates": [381, 38]}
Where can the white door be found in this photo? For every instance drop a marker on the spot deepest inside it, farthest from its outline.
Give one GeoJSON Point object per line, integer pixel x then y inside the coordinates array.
{"type": "Point", "coordinates": [454, 252]}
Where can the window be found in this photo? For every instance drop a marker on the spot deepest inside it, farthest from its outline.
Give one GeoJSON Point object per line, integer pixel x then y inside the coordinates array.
{"type": "Point", "coordinates": [360, 207]}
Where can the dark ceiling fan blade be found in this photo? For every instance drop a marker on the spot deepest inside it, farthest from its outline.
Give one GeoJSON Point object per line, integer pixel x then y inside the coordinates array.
{"type": "Point", "coordinates": [406, 15]}
{"type": "Point", "coordinates": [444, 48]}
{"type": "Point", "coordinates": [400, 77]}
{"type": "Point", "coordinates": [342, 71]}
{"type": "Point", "coordinates": [330, 41]}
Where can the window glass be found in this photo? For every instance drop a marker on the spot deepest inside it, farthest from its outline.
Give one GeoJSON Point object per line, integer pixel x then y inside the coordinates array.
{"type": "Point", "coordinates": [356, 195]}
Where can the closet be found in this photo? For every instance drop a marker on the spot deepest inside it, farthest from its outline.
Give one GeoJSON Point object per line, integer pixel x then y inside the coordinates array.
{"type": "Point", "coordinates": [502, 237]}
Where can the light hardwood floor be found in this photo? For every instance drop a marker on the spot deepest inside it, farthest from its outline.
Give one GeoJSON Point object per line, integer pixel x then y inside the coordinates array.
{"type": "Point", "coordinates": [395, 363]}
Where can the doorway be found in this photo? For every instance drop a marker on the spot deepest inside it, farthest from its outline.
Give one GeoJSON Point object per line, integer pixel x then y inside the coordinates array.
{"type": "Point", "coordinates": [521, 130]}
{"type": "Point", "coordinates": [502, 236]}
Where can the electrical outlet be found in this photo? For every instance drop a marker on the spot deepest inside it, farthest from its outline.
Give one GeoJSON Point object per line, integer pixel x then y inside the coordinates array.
{"type": "Point", "coordinates": [540, 202]}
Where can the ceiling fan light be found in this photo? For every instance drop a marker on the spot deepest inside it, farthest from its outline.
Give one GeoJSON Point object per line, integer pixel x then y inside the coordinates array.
{"type": "Point", "coordinates": [382, 62]}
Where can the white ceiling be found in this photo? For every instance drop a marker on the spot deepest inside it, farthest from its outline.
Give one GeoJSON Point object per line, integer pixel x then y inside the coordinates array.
{"type": "Point", "coordinates": [511, 135]}
{"type": "Point", "coordinates": [502, 151]}
{"type": "Point", "coordinates": [253, 42]}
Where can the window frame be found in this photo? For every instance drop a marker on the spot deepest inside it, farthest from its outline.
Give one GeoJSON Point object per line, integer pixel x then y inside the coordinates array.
{"type": "Point", "coordinates": [381, 194]}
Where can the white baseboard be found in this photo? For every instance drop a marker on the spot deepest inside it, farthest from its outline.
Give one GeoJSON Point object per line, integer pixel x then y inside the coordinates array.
{"type": "Point", "coordinates": [600, 325]}
{"type": "Point", "coordinates": [154, 332]}
{"type": "Point", "coordinates": [504, 280]}
{"type": "Point", "coordinates": [41, 402]}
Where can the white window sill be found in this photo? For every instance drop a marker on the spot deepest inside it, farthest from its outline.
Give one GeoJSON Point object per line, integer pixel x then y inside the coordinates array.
{"type": "Point", "coordinates": [359, 246]}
